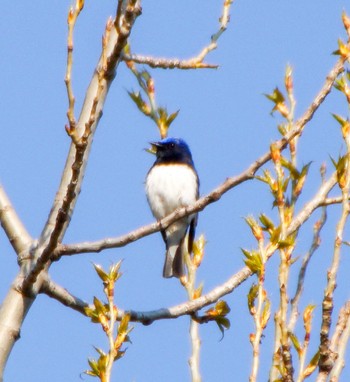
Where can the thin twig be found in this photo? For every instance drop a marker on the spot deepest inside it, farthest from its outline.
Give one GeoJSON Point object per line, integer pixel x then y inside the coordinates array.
{"type": "Point", "coordinates": [301, 277]}
{"type": "Point", "coordinates": [112, 352]}
{"type": "Point", "coordinates": [73, 15]}
{"type": "Point", "coordinates": [167, 63]}
{"type": "Point", "coordinates": [57, 292]}
{"type": "Point", "coordinates": [191, 63]}
{"type": "Point", "coordinates": [189, 285]}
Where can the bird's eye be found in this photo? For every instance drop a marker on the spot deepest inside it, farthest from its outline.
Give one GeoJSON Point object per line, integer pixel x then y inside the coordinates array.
{"type": "Point", "coordinates": [172, 145]}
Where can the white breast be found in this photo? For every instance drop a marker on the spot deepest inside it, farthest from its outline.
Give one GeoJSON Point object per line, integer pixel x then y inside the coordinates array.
{"type": "Point", "coordinates": [169, 187]}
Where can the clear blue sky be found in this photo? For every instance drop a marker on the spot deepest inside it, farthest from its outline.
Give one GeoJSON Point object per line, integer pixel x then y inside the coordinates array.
{"type": "Point", "coordinates": [225, 119]}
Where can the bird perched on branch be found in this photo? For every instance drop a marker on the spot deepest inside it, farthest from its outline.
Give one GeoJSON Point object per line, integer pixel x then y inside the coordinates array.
{"type": "Point", "coordinates": [172, 183]}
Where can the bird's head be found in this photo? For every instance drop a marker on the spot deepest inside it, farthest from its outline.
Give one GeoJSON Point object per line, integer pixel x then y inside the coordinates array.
{"type": "Point", "coordinates": [171, 150]}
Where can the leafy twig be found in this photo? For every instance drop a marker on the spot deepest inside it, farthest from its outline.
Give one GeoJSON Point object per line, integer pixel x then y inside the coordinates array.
{"type": "Point", "coordinates": [106, 315]}
{"type": "Point", "coordinates": [189, 282]}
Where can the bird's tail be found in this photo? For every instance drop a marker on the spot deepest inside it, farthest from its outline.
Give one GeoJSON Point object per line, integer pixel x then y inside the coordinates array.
{"type": "Point", "coordinates": [174, 260]}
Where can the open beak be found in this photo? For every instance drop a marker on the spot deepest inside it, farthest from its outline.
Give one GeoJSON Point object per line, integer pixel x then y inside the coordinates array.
{"type": "Point", "coordinates": [154, 148]}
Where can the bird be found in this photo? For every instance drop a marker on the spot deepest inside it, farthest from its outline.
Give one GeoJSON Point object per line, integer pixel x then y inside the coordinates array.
{"type": "Point", "coordinates": [171, 183]}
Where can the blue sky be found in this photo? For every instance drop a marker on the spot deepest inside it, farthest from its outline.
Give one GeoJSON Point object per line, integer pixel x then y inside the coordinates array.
{"type": "Point", "coordinates": [225, 119]}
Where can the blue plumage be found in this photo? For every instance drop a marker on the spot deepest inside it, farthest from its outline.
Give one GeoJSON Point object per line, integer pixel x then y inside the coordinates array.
{"type": "Point", "coordinates": [171, 183]}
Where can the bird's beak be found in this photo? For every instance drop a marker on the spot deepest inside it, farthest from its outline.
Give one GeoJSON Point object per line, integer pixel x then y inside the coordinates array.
{"type": "Point", "coordinates": [153, 149]}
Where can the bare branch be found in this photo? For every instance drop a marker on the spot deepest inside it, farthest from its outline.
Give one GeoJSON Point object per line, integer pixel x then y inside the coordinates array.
{"type": "Point", "coordinates": [340, 341]}
{"type": "Point", "coordinates": [301, 277]}
{"type": "Point", "coordinates": [186, 308]}
{"type": "Point", "coordinates": [57, 292]}
{"type": "Point", "coordinates": [12, 225]}
{"type": "Point", "coordinates": [167, 63]}
{"type": "Point", "coordinates": [191, 63]}
{"type": "Point", "coordinates": [73, 15]}
{"type": "Point", "coordinates": [313, 204]}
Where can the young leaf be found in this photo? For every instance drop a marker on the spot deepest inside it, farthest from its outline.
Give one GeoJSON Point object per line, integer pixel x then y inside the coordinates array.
{"type": "Point", "coordinates": [295, 343]}
{"type": "Point", "coordinates": [266, 313]}
{"type": "Point", "coordinates": [310, 368]}
{"type": "Point", "coordinates": [278, 99]}
{"type": "Point", "coordinates": [171, 117]}
{"type": "Point", "coordinates": [223, 324]}
{"type": "Point", "coordinates": [101, 273]}
{"type": "Point", "coordinates": [343, 49]}
{"type": "Point", "coordinates": [222, 308]}
{"type": "Point", "coordinates": [114, 273]}
{"type": "Point", "coordinates": [198, 250]}
{"type": "Point", "coordinates": [252, 295]}
{"type": "Point", "coordinates": [307, 317]}
{"type": "Point", "coordinates": [253, 261]}
{"type": "Point", "coordinates": [254, 226]}
{"type": "Point", "coordinates": [266, 222]}
{"type": "Point", "coordinates": [198, 292]}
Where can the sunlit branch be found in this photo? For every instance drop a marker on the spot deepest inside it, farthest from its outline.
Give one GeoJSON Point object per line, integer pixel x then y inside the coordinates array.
{"type": "Point", "coordinates": [332, 200]}
{"type": "Point", "coordinates": [167, 63]}
{"type": "Point", "coordinates": [191, 63]}
{"type": "Point", "coordinates": [57, 292]}
{"type": "Point", "coordinates": [12, 225]}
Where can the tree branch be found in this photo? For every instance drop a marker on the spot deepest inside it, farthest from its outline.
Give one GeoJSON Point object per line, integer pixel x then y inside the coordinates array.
{"type": "Point", "coordinates": [73, 174]}
{"type": "Point", "coordinates": [57, 292]}
{"type": "Point", "coordinates": [12, 225]}
{"type": "Point", "coordinates": [327, 356]}
{"type": "Point", "coordinates": [191, 63]}
{"type": "Point", "coordinates": [340, 341]}
{"type": "Point", "coordinates": [28, 282]}
{"type": "Point", "coordinates": [190, 307]}
{"type": "Point", "coordinates": [167, 63]}
{"type": "Point", "coordinates": [301, 276]}
{"type": "Point", "coordinates": [215, 195]}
